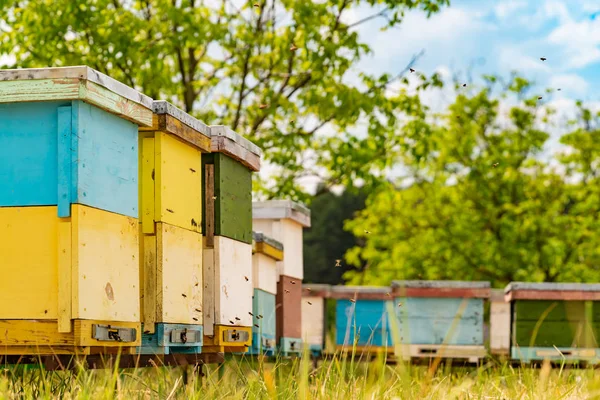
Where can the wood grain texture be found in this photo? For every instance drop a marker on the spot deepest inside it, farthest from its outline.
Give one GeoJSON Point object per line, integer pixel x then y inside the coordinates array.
{"type": "Point", "coordinates": [105, 266]}
{"type": "Point", "coordinates": [233, 293]}
{"type": "Point", "coordinates": [552, 295]}
{"type": "Point", "coordinates": [64, 170]}
{"type": "Point", "coordinates": [500, 327]}
{"type": "Point", "coordinates": [65, 294]}
{"type": "Point", "coordinates": [178, 180]}
{"type": "Point", "coordinates": [264, 273]}
{"type": "Point", "coordinates": [33, 333]}
{"type": "Point", "coordinates": [209, 293]}
{"type": "Point", "coordinates": [313, 320]}
{"type": "Point", "coordinates": [147, 196]}
{"type": "Point", "coordinates": [148, 282]}
{"type": "Point", "coordinates": [179, 275]}
{"type": "Point", "coordinates": [29, 258]}
{"type": "Point", "coordinates": [39, 90]}
{"type": "Point", "coordinates": [105, 159]}
{"type": "Point", "coordinates": [189, 135]}
{"type": "Point", "coordinates": [233, 198]}
{"type": "Point", "coordinates": [209, 201]}
{"type": "Point", "coordinates": [289, 307]}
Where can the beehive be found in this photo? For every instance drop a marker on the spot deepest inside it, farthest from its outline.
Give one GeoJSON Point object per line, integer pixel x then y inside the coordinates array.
{"type": "Point", "coordinates": [265, 254]}
{"type": "Point", "coordinates": [362, 319]}
{"type": "Point", "coordinates": [499, 323]}
{"type": "Point", "coordinates": [557, 321]}
{"type": "Point", "coordinates": [284, 221]}
{"type": "Point", "coordinates": [440, 318]}
{"type": "Point", "coordinates": [314, 323]}
{"type": "Point", "coordinates": [227, 222]}
{"type": "Point", "coordinates": [171, 230]}
{"type": "Point", "coordinates": [69, 206]}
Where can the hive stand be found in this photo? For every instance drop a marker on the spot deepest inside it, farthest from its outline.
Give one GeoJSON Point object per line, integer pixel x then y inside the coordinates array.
{"type": "Point", "coordinates": [69, 209]}
{"type": "Point", "coordinates": [499, 324]}
{"type": "Point", "coordinates": [314, 321]}
{"type": "Point", "coordinates": [227, 230]}
{"type": "Point", "coordinates": [266, 252]}
{"type": "Point", "coordinates": [284, 221]}
{"type": "Point", "coordinates": [440, 319]}
{"type": "Point", "coordinates": [555, 321]}
{"type": "Point", "coordinates": [171, 230]}
{"type": "Point", "coordinates": [362, 319]}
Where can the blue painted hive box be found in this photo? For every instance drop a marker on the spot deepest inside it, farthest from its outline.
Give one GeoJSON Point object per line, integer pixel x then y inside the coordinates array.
{"type": "Point", "coordinates": [362, 318]}
{"type": "Point", "coordinates": [69, 205]}
{"type": "Point", "coordinates": [556, 321]}
{"type": "Point", "coordinates": [440, 318]}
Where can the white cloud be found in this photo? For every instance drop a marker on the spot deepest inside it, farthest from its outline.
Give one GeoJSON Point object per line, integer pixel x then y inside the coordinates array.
{"type": "Point", "coordinates": [580, 42]}
{"type": "Point", "coordinates": [508, 8]}
{"type": "Point", "coordinates": [570, 83]}
{"type": "Point", "coordinates": [514, 58]}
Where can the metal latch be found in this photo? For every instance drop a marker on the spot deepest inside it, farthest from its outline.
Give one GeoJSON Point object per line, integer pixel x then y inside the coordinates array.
{"type": "Point", "coordinates": [186, 335]}
{"type": "Point", "coordinates": [268, 343]}
{"type": "Point", "coordinates": [233, 335]}
{"type": "Point", "coordinates": [107, 333]}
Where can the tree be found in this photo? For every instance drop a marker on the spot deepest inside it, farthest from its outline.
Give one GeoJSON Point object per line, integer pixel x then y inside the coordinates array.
{"type": "Point", "coordinates": [326, 240]}
{"type": "Point", "coordinates": [482, 204]}
{"type": "Point", "coordinates": [277, 71]}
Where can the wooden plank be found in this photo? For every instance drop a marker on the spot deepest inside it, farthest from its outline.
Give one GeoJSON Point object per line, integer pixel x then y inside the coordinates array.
{"type": "Point", "coordinates": [233, 293]}
{"type": "Point", "coordinates": [184, 132]}
{"type": "Point", "coordinates": [361, 292]}
{"type": "Point", "coordinates": [443, 351]}
{"type": "Point", "coordinates": [282, 209]}
{"type": "Point", "coordinates": [32, 333]}
{"type": "Point", "coordinates": [289, 307]}
{"type": "Point", "coordinates": [292, 238]}
{"type": "Point", "coordinates": [82, 332]}
{"type": "Point", "coordinates": [209, 293]}
{"type": "Point", "coordinates": [569, 354]}
{"type": "Point", "coordinates": [233, 203]}
{"type": "Point", "coordinates": [105, 266]}
{"type": "Point", "coordinates": [500, 326]}
{"type": "Point", "coordinates": [438, 308]}
{"type": "Point", "coordinates": [28, 149]}
{"type": "Point", "coordinates": [555, 333]}
{"type": "Point", "coordinates": [269, 250]}
{"type": "Point", "coordinates": [148, 281]}
{"type": "Point", "coordinates": [552, 295]}
{"type": "Point", "coordinates": [442, 292]}
{"type": "Point", "coordinates": [39, 90]}
{"type": "Point", "coordinates": [365, 321]}
{"type": "Point", "coordinates": [452, 330]}
{"type": "Point", "coordinates": [64, 275]}
{"type": "Point", "coordinates": [313, 320]}
{"type": "Point", "coordinates": [179, 255]}
{"type": "Point", "coordinates": [147, 187]}
{"type": "Point", "coordinates": [114, 103]}
{"type": "Point", "coordinates": [235, 152]}
{"type": "Point", "coordinates": [178, 183]}
{"type": "Point", "coordinates": [264, 273]}
{"type": "Point", "coordinates": [64, 151]}
{"type": "Point", "coordinates": [316, 290]}
{"type": "Point", "coordinates": [210, 204]}
{"type": "Point", "coordinates": [29, 249]}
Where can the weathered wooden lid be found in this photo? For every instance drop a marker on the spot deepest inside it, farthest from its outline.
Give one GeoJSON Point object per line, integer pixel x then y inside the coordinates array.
{"type": "Point", "coordinates": [552, 291]}
{"type": "Point", "coordinates": [260, 237]}
{"type": "Point", "coordinates": [497, 295]}
{"type": "Point", "coordinates": [449, 289]}
{"type": "Point", "coordinates": [75, 83]}
{"type": "Point", "coordinates": [316, 290]}
{"type": "Point", "coordinates": [361, 292]}
{"type": "Point", "coordinates": [281, 209]}
{"type": "Point", "coordinates": [226, 141]}
{"type": "Point", "coordinates": [170, 119]}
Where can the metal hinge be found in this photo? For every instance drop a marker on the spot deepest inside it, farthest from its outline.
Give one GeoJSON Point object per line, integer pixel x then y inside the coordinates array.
{"type": "Point", "coordinates": [234, 335]}
{"type": "Point", "coordinates": [185, 336]}
{"type": "Point", "coordinates": [108, 333]}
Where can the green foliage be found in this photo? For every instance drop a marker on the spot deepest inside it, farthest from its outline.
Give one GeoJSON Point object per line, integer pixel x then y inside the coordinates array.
{"type": "Point", "coordinates": [326, 240]}
{"type": "Point", "coordinates": [230, 62]}
{"type": "Point", "coordinates": [483, 204]}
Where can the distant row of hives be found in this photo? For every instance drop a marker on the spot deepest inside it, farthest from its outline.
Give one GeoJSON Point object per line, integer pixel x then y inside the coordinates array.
{"type": "Point", "coordinates": [424, 319]}
{"type": "Point", "coordinates": [125, 223]}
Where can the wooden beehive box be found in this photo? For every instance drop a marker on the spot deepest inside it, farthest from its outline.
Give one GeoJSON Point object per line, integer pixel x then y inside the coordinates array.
{"type": "Point", "coordinates": [171, 224]}
{"type": "Point", "coordinates": [440, 318]}
{"type": "Point", "coordinates": [227, 222]}
{"type": "Point", "coordinates": [554, 321]}
{"type": "Point", "coordinates": [362, 318]}
{"type": "Point", "coordinates": [265, 254]}
{"type": "Point", "coordinates": [314, 323]}
{"type": "Point", "coordinates": [284, 221]}
{"type": "Point", "coordinates": [69, 162]}
{"type": "Point", "coordinates": [499, 323]}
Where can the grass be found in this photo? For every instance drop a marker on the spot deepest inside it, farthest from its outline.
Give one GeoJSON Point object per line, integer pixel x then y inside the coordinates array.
{"type": "Point", "coordinates": [246, 378]}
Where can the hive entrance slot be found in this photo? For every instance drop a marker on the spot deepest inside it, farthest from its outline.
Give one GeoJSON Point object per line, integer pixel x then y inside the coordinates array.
{"type": "Point", "coordinates": [107, 333]}
{"type": "Point", "coordinates": [427, 351]}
